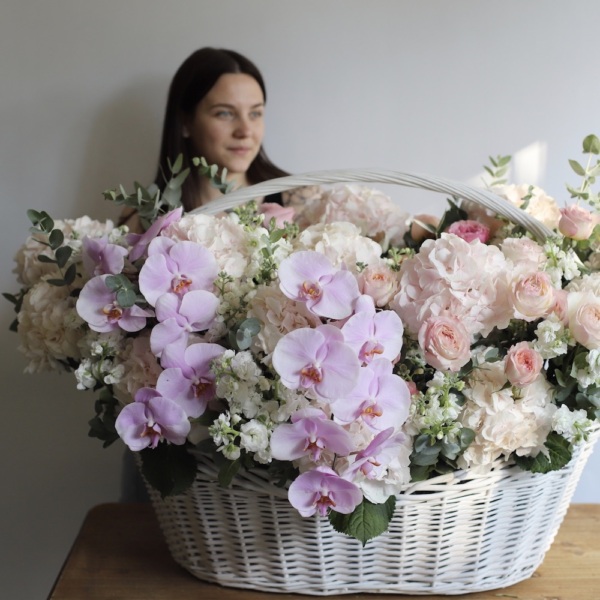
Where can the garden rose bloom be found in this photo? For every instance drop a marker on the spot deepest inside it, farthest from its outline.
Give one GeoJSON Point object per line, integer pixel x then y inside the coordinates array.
{"type": "Point", "coordinates": [470, 230]}
{"type": "Point", "coordinates": [532, 296]}
{"type": "Point", "coordinates": [379, 282]}
{"type": "Point", "coordinates": [445, 343]}
{"type": "Point", "coordinates": [577, 222]}
{"type": "Point", "coordinates": [538, 203]}
{"type": "Point", "coordinates": [583, 312]}
{"type": "Point", "coordinates": [523, 364]}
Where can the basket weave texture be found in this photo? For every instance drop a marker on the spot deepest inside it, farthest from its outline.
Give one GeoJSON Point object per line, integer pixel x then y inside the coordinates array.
{"type": "Point", "coordinates": [452, 534]}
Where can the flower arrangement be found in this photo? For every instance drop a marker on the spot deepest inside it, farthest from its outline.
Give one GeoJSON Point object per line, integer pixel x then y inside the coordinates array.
{"type": "Point", "coordinates": [345, 347]}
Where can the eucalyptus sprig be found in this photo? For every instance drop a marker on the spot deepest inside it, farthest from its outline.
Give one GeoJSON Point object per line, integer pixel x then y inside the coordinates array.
{"type": "Point", "coordinates": [498, 169]}
{"type": "Point", "coordinates": [591, 146]}
{"type": "Point", "coordinates": [54, 239]}
{"type": "Point", "coordinates": [217, 180]}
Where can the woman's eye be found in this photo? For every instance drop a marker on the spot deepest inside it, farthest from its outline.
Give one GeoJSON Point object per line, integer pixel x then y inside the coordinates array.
{"type": "Point", "coordinates": [256, 114]}
{"type": "Point", "coordinates": [224, 114]}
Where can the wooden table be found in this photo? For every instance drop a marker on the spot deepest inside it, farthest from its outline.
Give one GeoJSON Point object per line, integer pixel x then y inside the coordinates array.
{"type": "Point", "coordinates": [119, 554]}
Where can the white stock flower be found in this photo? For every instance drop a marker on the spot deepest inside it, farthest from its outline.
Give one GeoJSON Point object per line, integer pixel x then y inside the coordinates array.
{"type": "Point", "coordinates": [572, 425]}
{"type": "Point", "coordinates": [552, 338]}
{"type": "Point", "coordinates": [254, 436]}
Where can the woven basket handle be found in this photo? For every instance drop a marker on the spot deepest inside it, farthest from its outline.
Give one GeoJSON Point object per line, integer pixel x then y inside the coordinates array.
{"type": "Point", "coordinates": [482, 197]}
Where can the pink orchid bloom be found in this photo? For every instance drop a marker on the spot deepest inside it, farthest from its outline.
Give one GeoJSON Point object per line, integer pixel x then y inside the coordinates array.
{"type": "Point", "coordinates": [317, 359]}
{"type": "Point", "coordinates": [373, 333]}
{"type": "Point", "coordinates": [187, 378]}
{"type": "Point", "coordinates": [322, 489]}
{"type": "Point", "coordinates": [309, 434]}
{"type": "Point", "coordinates": [311, 278]}
{"type": "Point", "coordinates": [373, 461]}
{"type": "Point", "coordinates": [98, 306]}
{"type": "Point", "coordinates": [101, 258]}
{"type": "Point", "coordinates": [141, 242]}
{"type": "Point", "coordinates": [176, 268]}
{"type": "Point", "coordinates": [151, 419]}
{"type": "Point", "coordinates": [380, 399]}
{"type": "Point", "coordinates": [178, 317]}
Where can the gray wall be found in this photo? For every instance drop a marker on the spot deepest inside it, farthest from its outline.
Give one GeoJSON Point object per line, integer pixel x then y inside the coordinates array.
{"type": "Point", "coordinates": [431, 86]}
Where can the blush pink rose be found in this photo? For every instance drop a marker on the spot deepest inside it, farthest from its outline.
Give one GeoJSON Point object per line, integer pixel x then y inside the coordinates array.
{"type": "Point", "coordinates": [445, 343]}
{"type": "Point", "coordinates": [379, 282]}
{"type": "Point", "coordinates": [577, 222]}
{"type": "Point", "coordinates": [281, 214]}
{"type": "Point", "coordinates": [523, 364]}
{"type": "Point", "coordinates": [470, 230]}
{"type": "Point", "coordinates": [532, 296]}
{"type": "Point", "coordinates": [583, 312]}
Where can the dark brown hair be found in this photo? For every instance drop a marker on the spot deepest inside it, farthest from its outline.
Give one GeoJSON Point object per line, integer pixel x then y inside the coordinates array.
{"type": "Point", "coordinates": [192, 81]}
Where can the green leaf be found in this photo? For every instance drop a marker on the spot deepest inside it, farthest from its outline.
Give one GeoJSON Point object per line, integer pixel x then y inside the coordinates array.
{"type": "Point", "coordinates": [56, 239]}
{"type": "Point", "coordinates": [57, 282]}
{"type": "Point", "coordinates": [559, 454]}
{"type": "Point", "coordinates": [45, 259]}
{"type": "Point", "coordinates": [70, 274]}
{"type": "Point", "coordinates": [228, 471]}
{"type": "Point", "coordinates": [591, 144]}
{"type": "Point", "coordinates": [126, 297]}
{"type": "Point", "coordinates": [34, 216]}
{"type": "Point", "coordinates": [577, 168]}
{"type": "Point", "coordinates": [367, 521]}
{"type": "Point", "coordinates": [168, 468]}
{"type": "Point", "coordinates": [62, 255]}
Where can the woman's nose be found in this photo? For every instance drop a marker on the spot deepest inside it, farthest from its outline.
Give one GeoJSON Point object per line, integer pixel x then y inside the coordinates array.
{"type": "Point", "coordinates": [243, 128]}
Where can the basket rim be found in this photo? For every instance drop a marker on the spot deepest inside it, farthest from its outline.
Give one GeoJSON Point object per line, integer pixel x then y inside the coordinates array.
{"type": "Point", "coordinates": [483, 197]}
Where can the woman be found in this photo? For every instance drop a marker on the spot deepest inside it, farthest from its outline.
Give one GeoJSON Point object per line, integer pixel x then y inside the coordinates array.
{"type": "Point", "coordinates": [215, 110]}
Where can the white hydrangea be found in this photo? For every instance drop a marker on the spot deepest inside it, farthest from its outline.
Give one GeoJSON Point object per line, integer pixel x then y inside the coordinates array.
{"type": "Point", "coordinates": [504, 421]}
{"type": "Point", "coordinates": [49, 328]}
{"type": "Point", "coordinates": [572, 425]}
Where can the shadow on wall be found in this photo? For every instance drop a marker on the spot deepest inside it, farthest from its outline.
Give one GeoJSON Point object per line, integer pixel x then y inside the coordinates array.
{"type": "Point", "coordinates": [122, 147]}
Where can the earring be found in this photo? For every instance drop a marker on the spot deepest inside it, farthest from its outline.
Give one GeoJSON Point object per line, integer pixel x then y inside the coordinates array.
{"type": "Point", "coordinates": [186, 133]}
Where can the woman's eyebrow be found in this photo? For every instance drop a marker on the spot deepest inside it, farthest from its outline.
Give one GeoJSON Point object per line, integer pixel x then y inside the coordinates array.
{"type": "Point", "coordinates": [226, 105]}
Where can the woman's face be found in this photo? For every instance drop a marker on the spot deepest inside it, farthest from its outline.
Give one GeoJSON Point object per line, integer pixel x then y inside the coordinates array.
{"type": "Point", "coordinates": [227, 127]}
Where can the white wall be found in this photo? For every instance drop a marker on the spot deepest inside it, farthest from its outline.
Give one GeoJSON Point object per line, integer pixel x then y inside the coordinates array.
{"type": "Point", "coordinates": [430, 86]}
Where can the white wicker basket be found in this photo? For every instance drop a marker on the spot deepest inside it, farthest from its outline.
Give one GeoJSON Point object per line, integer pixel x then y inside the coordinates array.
{"type": "Point", "coordinates": [453, 534]}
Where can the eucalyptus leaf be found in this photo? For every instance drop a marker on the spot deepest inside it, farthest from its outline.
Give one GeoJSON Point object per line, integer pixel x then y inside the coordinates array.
{"type": "Point", "coordinates": [577, 168]}
{"type": "Point", "coordinates": [591, 144]}
{"type": "Point", "coordinates": [62, 255]}
{"type": "Point", "coordinates": [45, 259]}
{"type": "Point", "coordinates": [34, 216]}
{"type": "Point", "coordinates": [70, 274]}
{"type": "Point", "coordinates": [56, 238]}
{"type": "Point", "coordinates": [126, 298]}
